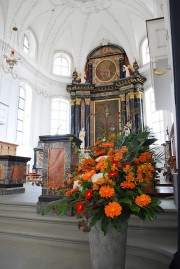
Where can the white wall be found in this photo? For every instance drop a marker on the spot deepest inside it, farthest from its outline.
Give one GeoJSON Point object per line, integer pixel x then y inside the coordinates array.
{"type": "Point", "coordinates": [43, 88]}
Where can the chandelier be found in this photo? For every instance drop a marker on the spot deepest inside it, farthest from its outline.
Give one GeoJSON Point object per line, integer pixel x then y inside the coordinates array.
{"type": "Point", "coordinates": [10, 59]}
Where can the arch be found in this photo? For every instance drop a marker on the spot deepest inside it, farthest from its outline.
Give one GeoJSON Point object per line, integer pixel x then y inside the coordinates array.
{"type": "Point", "coordinates": [62, 64]}
{"type": "Point", "coordinates": [29, 45]}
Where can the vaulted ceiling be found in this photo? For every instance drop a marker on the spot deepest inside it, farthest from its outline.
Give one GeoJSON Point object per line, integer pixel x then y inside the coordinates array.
{"type": "Point", "coordinates": [78, 26]}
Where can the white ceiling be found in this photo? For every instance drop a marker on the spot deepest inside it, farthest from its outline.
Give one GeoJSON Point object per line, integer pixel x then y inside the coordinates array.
{"type": "Point", "coordinates": [77, 26]}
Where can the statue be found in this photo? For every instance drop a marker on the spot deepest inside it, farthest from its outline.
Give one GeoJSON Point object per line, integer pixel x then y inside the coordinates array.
{"type": "Point", "coordinates": [125, 71]}
{"type": "Point", "coordinates": [127, 128]}
{"type": "Point", "coordinates": [82, 134]}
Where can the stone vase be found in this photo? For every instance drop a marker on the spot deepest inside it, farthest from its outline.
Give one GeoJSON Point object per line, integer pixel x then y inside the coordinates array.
{"type": "Point", "coordinates": [108, 251]}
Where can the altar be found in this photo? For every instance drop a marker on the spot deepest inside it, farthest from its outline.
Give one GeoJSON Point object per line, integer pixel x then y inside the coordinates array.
{"type": "Point", "coordinates": [111, 97]}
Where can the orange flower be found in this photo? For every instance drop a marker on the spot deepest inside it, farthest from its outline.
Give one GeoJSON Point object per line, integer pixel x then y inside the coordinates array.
{"type": "Point", "coordinates": [113, 209]}
{"type": "Point", "coordinates": [111, 137]}
{"type": "Point", "coordinates": [130, 177]}
{"type": "Point", "coordinates": [99, 153]}
{"type": "Point", "coordinates": [127, 185]}
{"type": "Point", "coordinates": [107, 145]}
{"type": "Point", "coordinates": [98, 143]}
{"type": "Point", "coordinates": [70, 191]}
{"type": "Point", "coordinates": [124, 149]}
{"type": "Point", "coordinates": [89, 161]}
{"type": "Point", "coordinates": [106, 191]}
{"type": "Point", "coordinates": [143, 200]}
{"type": "Point", "coordinates": [127, 168]}
{"type": "Point", "coordinates": [102, 164]}
{"type": "Point", "coordinates": [88, 175]}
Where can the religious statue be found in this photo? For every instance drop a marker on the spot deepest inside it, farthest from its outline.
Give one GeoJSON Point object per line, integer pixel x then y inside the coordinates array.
{"type": "Point", "coordinates": [125, 71]}
{"type": "Point", "coordinates": [127, 128]}
{"type": "Point", "coordinates": [82, 134]}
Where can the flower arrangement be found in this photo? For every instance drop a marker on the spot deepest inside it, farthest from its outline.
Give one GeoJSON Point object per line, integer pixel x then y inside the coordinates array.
{"type": "Point", "coordinates": [108, 185]}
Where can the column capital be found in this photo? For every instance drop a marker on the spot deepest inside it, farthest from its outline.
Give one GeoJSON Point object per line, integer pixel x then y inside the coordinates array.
{"type": "Point", "coordinates": [72, 102]}
{"type": "Point", "coordinates": [87, 101]}
{"type": "Point", "coordinates": [138, 95]}
{"type": "Point", "coordinates": [131, 95]}
{"type": "Point", "coordinates": [122, 97]}
{"type": "Point", "coordinates": [78, 101]}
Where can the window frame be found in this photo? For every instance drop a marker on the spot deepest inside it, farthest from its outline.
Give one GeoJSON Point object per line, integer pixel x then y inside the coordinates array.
{"type": "Point", "coordinates": [62, 55]}
{"type": "Point", "coordinates": [60, 116]}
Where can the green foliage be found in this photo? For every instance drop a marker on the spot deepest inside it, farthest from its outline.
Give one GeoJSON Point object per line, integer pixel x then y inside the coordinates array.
{"type": "Point", "coordinates": [108, 186]}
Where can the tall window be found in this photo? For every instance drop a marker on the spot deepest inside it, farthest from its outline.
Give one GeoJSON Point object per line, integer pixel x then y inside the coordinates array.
{"type": "Point", "coordinates": [145, 52]}
{"type": "Point", "coordinates": [26, 45]}
{"type": "Point", "coordinates": [62, 64]}
{"type": "Point", "coordinates": [20, 117]}
{"type": "Point", "coordinates": [59, 116]}
{"type": "Point", "coordinates": [23, 128]}
{"type": "Point", "coordinates": [154, 118]}
{"type": "Point", "coordinates": [30, 44]}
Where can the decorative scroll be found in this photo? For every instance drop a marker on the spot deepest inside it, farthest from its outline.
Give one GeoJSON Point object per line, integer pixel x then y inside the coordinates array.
{"type": "Point", "coordinates": [56, 168]}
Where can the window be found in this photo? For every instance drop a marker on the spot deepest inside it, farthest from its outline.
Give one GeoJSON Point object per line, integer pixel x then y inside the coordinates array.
{"type": "Point", "coordinates": [20, 117]}
{"type": "Point", "coordinates": [145, 52]}
{"type": "Point", "coordinates": [30, 44]}
{"type": "Point", "coordinates": [26, 45]}
{"type": "Point", "coordinates": [155, 119]}
{"type": "Point", "coordinates": [24, 114]}
{"type": "Point", "coordinates": [62, 64]}
{"type": "Point", "coordinates": [60, 116]}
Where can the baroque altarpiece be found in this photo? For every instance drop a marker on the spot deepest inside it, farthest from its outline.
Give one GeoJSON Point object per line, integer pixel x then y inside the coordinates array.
{"type": "Point", "coordinates": [110, 98]}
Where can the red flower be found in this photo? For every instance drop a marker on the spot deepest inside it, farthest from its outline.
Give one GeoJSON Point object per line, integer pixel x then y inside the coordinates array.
{"type": "Point", "coordinates": [112, 174]}
{"type": "Point", "coordinates": [79, 207]}
{"type": "Point", "coordinates": [88, 194]}
{"type": "Point", "coordinates": [125, 163]}
{"type": "Point", "coordinates": [115, 163]}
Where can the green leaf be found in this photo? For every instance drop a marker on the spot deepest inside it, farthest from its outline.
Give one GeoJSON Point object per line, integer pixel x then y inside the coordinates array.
{"type": "Point", "coordinates": [134, 208]}
{"type": "Point", "coordinates": [125, 201]}
{"type": "Point", "coordinates": [104, 225]}
{"type": "Point", "coordinates": [96, 217]}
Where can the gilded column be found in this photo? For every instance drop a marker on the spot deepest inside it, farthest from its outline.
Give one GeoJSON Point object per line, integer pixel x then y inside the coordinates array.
{"type": "Point", "coordinates": [123, 110]}
{"type": "Point", "coordinates": [132, 110]}
{"type": "Point", "coordinates": [139, 119]}
{"type": "Point", "coordinates": [87, 121]}
{"type": "Point", "coordinates": [77, 126]}
{"type": "Point", "coordinates": [72, 116]}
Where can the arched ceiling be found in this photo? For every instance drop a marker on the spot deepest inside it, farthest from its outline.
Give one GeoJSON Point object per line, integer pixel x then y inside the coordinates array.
{"type": "Point", "coordinates": [78, 26]}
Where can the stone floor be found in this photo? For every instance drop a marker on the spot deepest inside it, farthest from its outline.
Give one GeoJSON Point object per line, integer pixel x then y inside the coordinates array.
{"type": "Point", "coordinates": [32, 254]}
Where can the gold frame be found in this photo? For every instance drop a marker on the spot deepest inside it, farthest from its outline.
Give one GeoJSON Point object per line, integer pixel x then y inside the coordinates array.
{"type": "Point", "coordinates": [94, 108]}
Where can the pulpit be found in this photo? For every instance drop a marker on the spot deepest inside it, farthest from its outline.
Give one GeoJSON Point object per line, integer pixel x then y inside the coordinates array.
{"type": "Point", "coordinates": [12, 174]}
{"type": "Point", "coordinates": [60, 154]}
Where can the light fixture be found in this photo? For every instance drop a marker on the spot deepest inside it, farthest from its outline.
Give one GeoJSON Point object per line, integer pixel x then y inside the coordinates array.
{"type": "Point", "coordinates": [158, 72]}
{"type": "Point", "coordinates": [10, 60]}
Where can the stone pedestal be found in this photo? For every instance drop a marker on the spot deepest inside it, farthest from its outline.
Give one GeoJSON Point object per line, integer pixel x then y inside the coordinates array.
{"type": "Point", "coordinates": [60, 155]}
{"type": "Point", "coordinates": [12, 174]}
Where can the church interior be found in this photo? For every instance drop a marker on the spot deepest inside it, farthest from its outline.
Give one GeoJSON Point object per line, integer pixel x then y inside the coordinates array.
{"type": "Point", "coordinates": [69, 70]}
